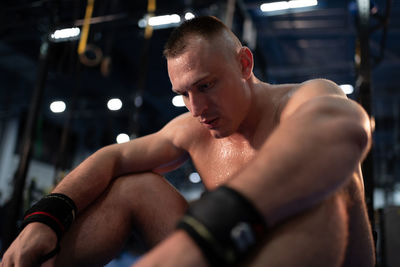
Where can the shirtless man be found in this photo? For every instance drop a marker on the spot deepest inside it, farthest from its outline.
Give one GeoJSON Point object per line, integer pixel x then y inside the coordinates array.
{"type": "Point", "coordinates": [293, 150]}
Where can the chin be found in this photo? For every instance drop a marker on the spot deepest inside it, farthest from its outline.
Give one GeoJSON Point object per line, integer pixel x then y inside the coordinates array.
{"type": "Point", "coordinates": [219, 134]}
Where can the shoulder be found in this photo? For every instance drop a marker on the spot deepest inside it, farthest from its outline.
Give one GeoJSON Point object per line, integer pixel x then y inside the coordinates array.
{"type": "Point", "coordinates": [301, 93]}
{"type": "Point", "coordinates": [322, 101]}
{"type": "Point", "coordinates": [318, 87]}
{"type": "Point", "coordinates": [184, 131]}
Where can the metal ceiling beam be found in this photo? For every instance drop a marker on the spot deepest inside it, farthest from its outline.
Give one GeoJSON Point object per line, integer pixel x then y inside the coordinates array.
{"type": "Point", "coordinates": [364, 88]}
{"type": "Point", "coordinates": [288, 71]}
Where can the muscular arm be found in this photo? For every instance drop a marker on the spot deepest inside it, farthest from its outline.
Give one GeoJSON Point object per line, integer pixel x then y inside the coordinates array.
{"type": "Point", "coordinates": [318, 145]}
{"type": "Point", "coordinates": [85, 183]}
{"type": "Point", "coordinates": [92, 176]}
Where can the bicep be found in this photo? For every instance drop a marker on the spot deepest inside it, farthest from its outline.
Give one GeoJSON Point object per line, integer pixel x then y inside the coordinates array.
{"type": "Point", "coordinates": [159, 152]}
{"type": "Point", "coordinates": [148, 153]}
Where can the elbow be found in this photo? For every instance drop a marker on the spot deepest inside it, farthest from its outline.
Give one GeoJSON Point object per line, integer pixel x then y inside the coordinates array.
{"type": "Point", "coordinates": [356, 126]}
{"type": "Point", "coordinates": [358, 134]}
{"type": "Point", "coordinates": [363, 137]}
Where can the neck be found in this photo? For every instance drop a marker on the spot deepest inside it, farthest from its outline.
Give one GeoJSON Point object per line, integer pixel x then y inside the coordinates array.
{"type": "Point", "coordinates": [260, 105]}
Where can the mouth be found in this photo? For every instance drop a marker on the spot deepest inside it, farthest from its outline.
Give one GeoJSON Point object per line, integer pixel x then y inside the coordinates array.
{"type": "Point", "coordinates": [210, 123]}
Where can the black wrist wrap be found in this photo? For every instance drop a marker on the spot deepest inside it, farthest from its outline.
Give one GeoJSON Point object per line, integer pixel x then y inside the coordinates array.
{"type": "Point", "coordinates": [225, 225]}
{"type": "Point", "coordinates": [55, 210]}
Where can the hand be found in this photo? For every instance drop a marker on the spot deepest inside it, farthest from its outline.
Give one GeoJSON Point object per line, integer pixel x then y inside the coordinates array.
{"type": "Point", "coordinates": [35, 241]}
{"type": "Point", "coordinates": [177, 250]}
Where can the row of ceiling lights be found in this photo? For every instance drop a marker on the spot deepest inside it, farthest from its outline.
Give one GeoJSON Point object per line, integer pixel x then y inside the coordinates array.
{"type": "Point", "coordinates": [164, 21]}
{"type": "Point", "coordinates": [115, 104]}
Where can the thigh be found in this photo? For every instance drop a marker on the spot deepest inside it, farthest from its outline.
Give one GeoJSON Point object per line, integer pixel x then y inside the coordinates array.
{"type": "Point", "coordinates": [155, 205]}
{"type": "Point", "coordinates": [317, 237]}
{"type": "Point", "coordinates": [146, 202]}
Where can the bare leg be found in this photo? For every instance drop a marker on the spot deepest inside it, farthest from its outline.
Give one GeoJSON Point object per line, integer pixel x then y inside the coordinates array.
{"type": "Point", "coordinates": [145, 201]}
{"type": "Point", "coordinates": [316, 238]}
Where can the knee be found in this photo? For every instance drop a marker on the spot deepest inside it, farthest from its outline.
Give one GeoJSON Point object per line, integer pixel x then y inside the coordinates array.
{"type": "Point", "coordinates": [127, 188]}
{"type": "Point", "coordinates": [154, 206]}
{"type": "Point", "coordinates": [139, 190]}
{"type": "Point", "coordinates": [137, 182]}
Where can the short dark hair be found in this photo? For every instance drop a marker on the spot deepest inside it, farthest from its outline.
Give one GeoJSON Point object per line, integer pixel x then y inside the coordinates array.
{"type": "Point", "coordinates": [204, 26]}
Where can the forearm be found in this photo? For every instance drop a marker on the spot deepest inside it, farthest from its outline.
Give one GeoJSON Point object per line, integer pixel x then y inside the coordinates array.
{"type": "Point", "coordinates": [47, 220]}
{"type": "Point", "coordinates": [87, 181]}
{"type": "Point", "coordinates": [307, 158]}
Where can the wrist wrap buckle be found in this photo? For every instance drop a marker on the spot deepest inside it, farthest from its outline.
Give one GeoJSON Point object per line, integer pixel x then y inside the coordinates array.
{"type": "Point", "coordinates": [225, 225]}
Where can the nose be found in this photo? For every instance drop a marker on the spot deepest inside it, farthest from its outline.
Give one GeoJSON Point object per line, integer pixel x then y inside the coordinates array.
{"type": "Point", "coordinates": [198, 103]}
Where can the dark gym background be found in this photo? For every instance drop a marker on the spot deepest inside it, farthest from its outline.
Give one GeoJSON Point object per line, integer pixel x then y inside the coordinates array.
{"type": "Point", "coordinates": [336, 40]}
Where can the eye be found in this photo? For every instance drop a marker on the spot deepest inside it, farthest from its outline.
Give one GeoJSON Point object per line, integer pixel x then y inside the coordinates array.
{"type": "Point", "coordinates": [205, 86]}
{"type": "Point", "coordinates": [184, 93]}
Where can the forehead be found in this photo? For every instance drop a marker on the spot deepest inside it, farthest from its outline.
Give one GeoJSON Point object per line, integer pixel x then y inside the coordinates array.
{"type": "Point", "coordinates": [198, 60]}
{"type": "Point", "coordinates": [201, 52]}
{"type": "Point", "coordinates": [195, 50]}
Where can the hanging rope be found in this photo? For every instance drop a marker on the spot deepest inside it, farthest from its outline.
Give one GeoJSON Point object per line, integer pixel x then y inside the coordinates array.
{"type": "Point", "coordinates": [151, 8]}
{"type": "Point", "coordinates": [85, 27]}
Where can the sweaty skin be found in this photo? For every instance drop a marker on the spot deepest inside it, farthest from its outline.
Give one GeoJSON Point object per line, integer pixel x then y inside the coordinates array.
{"type": "Point", "coordinates": [294, 150]}
{"type": "Point", "coordinates": [218, 160]}
{"type": "Point", "coordinates": [220, 155]}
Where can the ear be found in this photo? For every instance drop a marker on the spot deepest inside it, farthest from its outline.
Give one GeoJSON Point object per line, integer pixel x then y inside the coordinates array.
{"type": "Point", "coordinates": [246, 62]}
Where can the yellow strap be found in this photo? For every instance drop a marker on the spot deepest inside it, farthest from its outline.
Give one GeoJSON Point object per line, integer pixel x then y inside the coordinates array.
{"type": "Point", "coordinates": [85, 27]}
{"type": "Point", "coordinates": [151, 8]}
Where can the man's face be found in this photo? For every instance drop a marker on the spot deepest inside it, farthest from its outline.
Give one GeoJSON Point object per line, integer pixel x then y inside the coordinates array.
{"type": "Point", "coordinates": [209, 78]}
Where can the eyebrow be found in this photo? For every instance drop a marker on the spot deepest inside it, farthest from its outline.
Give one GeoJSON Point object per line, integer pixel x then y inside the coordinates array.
{"type": "Point", "coordinates": [179, 91]}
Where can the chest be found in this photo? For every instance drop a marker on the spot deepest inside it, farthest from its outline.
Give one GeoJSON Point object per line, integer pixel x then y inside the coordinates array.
{"type": "Point", "coordinates": [217, 163]}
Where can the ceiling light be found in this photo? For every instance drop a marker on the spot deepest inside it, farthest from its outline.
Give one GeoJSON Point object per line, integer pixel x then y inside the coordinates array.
{"type": "Point", "coordinates": [177, 101]}
{"type": "Point", "coordinates": [166, 19]}
{"type": "Point", "coordinates": [194, 177]}
{"type": "Point", "coordinates": [67, 34]}
{"type": "Point", "coordinates": [267, 7]}
{"type": "Point", "coordinates": [114, 104]}
{"type": "Point", "coordinates": [347, 88]}
{"type": "Point", "coordinates": [302, 3]}
{"type": "Point", "coordinates": [122, 138]}
{"type": "Point", "coordinates": [57, 106]}
{"type": "Point", "coordinates": [159, 22]}
{"type": "Point", "coordinates": [189, 15]}
{"type": "Point", "coordinates": [282, 5]}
